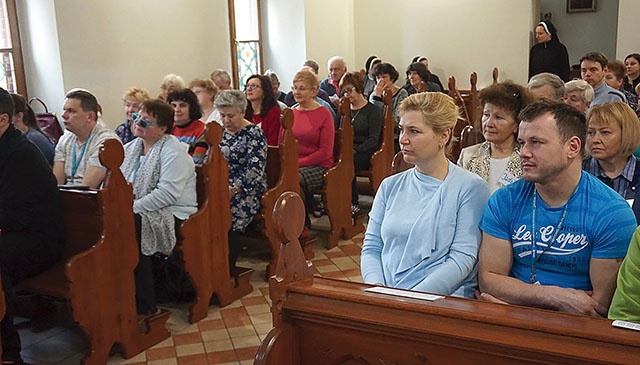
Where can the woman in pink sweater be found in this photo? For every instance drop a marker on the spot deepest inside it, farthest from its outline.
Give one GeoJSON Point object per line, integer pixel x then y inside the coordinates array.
{"type": "Point", "coordinates": [313, 129]}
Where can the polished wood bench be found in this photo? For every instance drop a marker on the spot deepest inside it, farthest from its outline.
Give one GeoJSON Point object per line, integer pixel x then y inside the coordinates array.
{"type": "Point", "coordinates": [381, 160]}
{"type": "Point", "coordinates": [326, 321]}
{"type": "Point", "coordinates": [204, 245]}
{"type": "Point", "coordinates": [336, 191]}
{"type": "Point", "coordinates": [95, 275]}
{"type": "Point", "coordinates": [466, 131]}
{"type": "Point", "coordinates": [282, 175]}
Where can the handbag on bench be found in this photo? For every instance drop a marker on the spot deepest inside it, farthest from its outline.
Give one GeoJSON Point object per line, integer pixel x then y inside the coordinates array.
{"type": "Point", "coordinates": [48, 122]}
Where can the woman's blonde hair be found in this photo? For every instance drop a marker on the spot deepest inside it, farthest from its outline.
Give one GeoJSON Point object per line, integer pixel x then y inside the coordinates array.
{"type": "Point", "coordinates": [621, 114]}
{"type": "Point", "coordinates": [207, 85]}
{"type": "Point", "coordinates": [307, 77]}
{"type": "Point", "coordinates": [439, 111]}
{"type": "Point", "coordinates": [137, 94]}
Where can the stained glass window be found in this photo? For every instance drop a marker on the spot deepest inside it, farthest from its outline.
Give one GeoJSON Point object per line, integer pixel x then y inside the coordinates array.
{"type": "Point", "coordinates": [248, 60]}
{"type": "Point", "coordinates": [245, 33]}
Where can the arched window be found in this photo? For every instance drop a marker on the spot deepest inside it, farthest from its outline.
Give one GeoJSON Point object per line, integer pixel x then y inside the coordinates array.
{"type": "Point", "coordinates": [246, 43]}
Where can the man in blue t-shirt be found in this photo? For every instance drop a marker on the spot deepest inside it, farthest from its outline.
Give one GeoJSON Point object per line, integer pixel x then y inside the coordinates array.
{"type": "Point", "coordinates": [555, 238]}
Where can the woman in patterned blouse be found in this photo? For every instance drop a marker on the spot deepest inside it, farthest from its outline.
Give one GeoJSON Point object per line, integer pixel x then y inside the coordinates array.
{"type": "Point", "coordinates": [497, 160]}
{"type": "Point", "coordinates": [244, 145]}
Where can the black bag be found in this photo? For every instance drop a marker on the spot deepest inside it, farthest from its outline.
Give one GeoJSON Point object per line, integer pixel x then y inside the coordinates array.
{"type": "Point", "coordinates": [172, 283]}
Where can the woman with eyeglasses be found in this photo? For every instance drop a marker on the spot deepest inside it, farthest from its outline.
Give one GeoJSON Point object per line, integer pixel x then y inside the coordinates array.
{"type": "Point", "coordinates": [132, 99]}
{"type": "Point", "coordinates": [497, 160]}
{"type": "Point", "coordinates": [418, 79]}
{"type": "Point", "coordinates": [263, 109]}
{"type": "Point", "coordinates": [314, 130]}
{"type": "Point", "coordinates": [206, 92]}
{"type": "Point", "coordinates": [366, 119]}
{"type": "Point", "coordinates": [244, 145]}
{"type": "Point", "coordinates": [386, 76]}
{"type": "Point", "coordinates": [164, 187]}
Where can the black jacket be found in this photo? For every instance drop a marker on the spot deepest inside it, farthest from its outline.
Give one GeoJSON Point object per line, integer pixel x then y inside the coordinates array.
{"type": "Point", "coordinates": [551, 56]}
{"type": "Point", "coordinates": [29, 199]}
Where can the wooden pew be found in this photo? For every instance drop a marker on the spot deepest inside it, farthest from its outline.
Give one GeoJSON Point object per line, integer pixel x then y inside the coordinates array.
{"type": "Point", "coordinates": [381, 159]}
{"type": "Point", "coordinates": [399, 164]}
{"type": "Point", "coordinates": [326, 321]}
{"type": "Point", "coordinates": [465, 132]}
{"type": "Point", "coordinates": [95, 274]}
{"type": "Point", "coordinates": [282, 175]}
{"type": "Point", "coordinates": [336, 191]}
{"type": "Point", "coordinates": [204, 246]}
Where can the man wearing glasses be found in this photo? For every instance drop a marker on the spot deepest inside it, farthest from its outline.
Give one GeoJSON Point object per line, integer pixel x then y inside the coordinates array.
{"type": "Point", "coordinates": [76, 159]}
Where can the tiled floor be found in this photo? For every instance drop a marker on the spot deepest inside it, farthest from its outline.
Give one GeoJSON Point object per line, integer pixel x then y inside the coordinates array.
{"type": "Point", "coordinates": [229, 335]}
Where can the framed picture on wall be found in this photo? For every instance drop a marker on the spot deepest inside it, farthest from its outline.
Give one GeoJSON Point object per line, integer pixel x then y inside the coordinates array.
{"type": "Point", "coordinates": [580, 6]}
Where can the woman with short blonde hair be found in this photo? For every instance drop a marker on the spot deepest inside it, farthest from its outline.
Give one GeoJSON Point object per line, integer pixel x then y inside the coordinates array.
{"type": "Point", "coordinates": [314, 130]}
{"type": "Point", "coordinates": [423, 227]}
{"type": "Point", "coordinates": [206, 92]}
{"type": "Point", "coordinates": [132, 100]}
{"type": "Point", "coordinates": [613, 134]}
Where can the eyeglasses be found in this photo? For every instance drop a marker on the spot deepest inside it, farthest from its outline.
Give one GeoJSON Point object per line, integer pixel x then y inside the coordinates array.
{"type": "Point", "coordinates": [348, 90]}
{"type": "Point", "coordinates": [137, 118]}
{"type": "Point", "coordinates": [301, 88]}
{"type": "Point", "coordinates": [251, 87]}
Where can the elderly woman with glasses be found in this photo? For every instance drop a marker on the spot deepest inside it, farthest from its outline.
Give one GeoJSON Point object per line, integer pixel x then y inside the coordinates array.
{"type": "Point", "coordinates": [314, 131]}
{"type": "Point", "coordinates": [366, 119]}
{"type": "Point", "coordinates": [497, 160]}
{"type": "Point", "coordinates": [164, 185]}
{"type": "Point", "coordinates": [263, 109]}
{"type": "Point", "coordinates": [244, 145]}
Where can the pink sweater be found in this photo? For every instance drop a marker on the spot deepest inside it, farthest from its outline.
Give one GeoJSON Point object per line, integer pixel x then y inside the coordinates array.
{"type": "Point", "coordinates": [314, 131]}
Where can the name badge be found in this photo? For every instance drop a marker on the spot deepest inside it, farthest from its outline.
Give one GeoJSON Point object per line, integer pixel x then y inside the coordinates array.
{"type": "Point", "coordinates": [507, 178]}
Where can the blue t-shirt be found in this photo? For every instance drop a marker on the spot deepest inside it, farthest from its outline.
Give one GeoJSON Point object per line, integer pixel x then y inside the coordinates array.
{"type": "Point", "coordinates": [599, 223]}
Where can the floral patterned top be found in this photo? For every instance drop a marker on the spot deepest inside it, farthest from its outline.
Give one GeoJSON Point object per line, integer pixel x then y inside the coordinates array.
{"type": "Point", "coordinates": [124, 132]}
{"type": "Point", "coordinates": [246, 154]}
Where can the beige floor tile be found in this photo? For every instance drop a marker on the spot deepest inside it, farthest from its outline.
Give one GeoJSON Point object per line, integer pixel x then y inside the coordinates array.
{"type": "Point", "coordinates": [241, 331]}
{"type": "Point", "coordinates": [214, 335]}
{"type": "Point", "coordinates": [258, 309]}
{"type": "Point", "coordinates": [163, 362]}
{"type": "Point", "coordinates": [327, 268]}
{"type": "Point", "coordinates": [247, 341]}
{"type": "Point", "coordinates": [263, 328]}
{"type": "Point", "coordinates": [261, 318]}
{"type": "Point", "coordinates": [218, 345]}
{"type": "Point", "coordinates": [190, 349]}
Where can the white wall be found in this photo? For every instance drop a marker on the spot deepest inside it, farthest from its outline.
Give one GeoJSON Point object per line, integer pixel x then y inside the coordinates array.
{"type": "Point", "coordinates": [283, 38]}
{"type": "Point", "coordinates": [108, 46]}
{"type": "Point", "coordinates": [585, 32]}
{"type": "Point", "coordinates": [329, 26]}
{"type": "Point", "coordinates": [458, 36]}
{"type": "Point", "coordinates": [39, 40]}
{"type": "Point", "coordinates": [628, 40]}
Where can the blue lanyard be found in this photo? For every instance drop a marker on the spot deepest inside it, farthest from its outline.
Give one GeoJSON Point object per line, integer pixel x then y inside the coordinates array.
{"type": "Point", "coordinates": [76, 161]}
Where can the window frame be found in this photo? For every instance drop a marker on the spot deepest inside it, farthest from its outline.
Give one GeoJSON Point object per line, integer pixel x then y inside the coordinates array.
{"type": "Point", "coordinates": [16, 47]}
{"type": "Point", "coordinates": [234, 42]}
